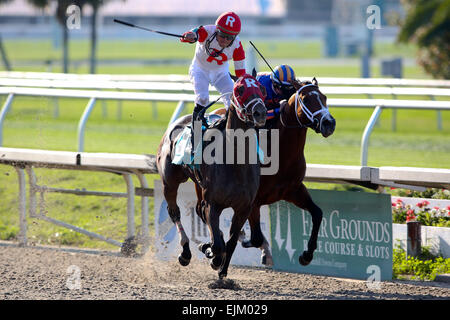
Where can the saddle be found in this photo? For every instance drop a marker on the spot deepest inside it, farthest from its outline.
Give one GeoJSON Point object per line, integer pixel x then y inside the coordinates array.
{"type": "Point", "coordinates": [184, 153]}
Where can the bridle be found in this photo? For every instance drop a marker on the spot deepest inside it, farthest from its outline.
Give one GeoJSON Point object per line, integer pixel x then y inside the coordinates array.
{"type": "Point", "coordinates": [244, 113]}
{"type": "Point", "coordinates": [310, 115]}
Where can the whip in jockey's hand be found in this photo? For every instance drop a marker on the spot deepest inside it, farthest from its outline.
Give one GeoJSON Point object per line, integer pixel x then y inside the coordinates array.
{"type": "Point", "coordinates": [189, 37]}
{"type": "Point", "coordinates": [216, 45]}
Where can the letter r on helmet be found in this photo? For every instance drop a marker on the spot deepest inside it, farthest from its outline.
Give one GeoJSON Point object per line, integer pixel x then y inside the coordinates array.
{"type": "Point", "coordinates": [230, 21]}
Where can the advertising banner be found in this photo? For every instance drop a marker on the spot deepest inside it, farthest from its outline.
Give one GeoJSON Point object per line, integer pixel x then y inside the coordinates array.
{"type": "Point", "coordinates": [355, 238]}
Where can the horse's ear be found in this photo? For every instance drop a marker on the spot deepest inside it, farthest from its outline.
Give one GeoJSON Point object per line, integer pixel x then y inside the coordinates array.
{"type": "Point", "coordinates": [233, 77]}
{"type": "Point", "coordinates": [315, 82]}
{"type": "Point", "coordinates": [240, 89]}
{"type": "Point", "coordinates": [263, 90]}
{"type": "Point", "coordinates": [254, 73]}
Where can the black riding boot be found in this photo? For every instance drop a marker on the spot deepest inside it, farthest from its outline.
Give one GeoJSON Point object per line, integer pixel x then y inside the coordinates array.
{"type": "Point", "coordinates": [197, 115]}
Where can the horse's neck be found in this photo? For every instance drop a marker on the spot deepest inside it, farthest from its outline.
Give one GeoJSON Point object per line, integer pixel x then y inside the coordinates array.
{"type": "Point", "coordinates": [291, 139]}
{"type": "Point", "coordinates": [233, 122]}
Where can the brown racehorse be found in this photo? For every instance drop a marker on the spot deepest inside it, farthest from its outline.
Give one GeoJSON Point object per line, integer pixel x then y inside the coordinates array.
{"type": "Point", "coordinates": [307, 108]}
{"type": "Point", "coordinates": [222, 184]}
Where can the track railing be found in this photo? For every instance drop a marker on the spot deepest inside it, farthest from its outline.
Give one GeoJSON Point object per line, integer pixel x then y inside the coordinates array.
{"type": "Point", "coordinates": [26, 160]}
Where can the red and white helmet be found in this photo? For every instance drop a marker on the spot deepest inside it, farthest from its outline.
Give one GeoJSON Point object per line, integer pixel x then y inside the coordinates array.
{"type": "Point", "coordinates": [229, 23]}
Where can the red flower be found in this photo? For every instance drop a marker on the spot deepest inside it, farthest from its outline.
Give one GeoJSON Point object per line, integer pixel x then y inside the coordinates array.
{"type": "Point", "coordinates": [437, 208]}
{"type": "Point", "coordinates": [410, 216]}
{"type": "Point", "coordinates": [448, 208]}
{"type": "Point", "coordinates": [400, 201]}
{"type": "Point", "coordinates": [425, 203]}
{"type": "Point", "coordinates": [420, 204]}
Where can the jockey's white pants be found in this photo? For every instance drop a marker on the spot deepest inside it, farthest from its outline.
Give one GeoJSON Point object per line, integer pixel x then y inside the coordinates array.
{"type": "Point", "coordinates": [201, 78]}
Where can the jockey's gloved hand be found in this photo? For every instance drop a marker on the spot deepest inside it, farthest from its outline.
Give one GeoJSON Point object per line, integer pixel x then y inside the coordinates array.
{"type": "Point", "coordinates": [199, 114]}
{"type": "Point", "coordinates": [189, 37]}
{"type": "Point", "coordinates": [297, 85]}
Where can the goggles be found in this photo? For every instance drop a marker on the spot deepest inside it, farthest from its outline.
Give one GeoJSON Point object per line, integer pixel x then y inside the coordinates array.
{"type": "Point", "coordinates": [225, 35]}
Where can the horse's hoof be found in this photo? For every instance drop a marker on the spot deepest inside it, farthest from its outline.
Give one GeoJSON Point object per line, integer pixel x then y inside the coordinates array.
{"type": "Point", "coordinates": [264, 259]}
{"type": "Point", "coordinates": [203, 246]}
{"type": "Point", "coordinates": [209, 254]}
{"type": "Point", "coordinates": [222, 275]}
{"type": "Point", "coordinates": [216, 262]}
{"type": "Point", "coordinates": [183, 261]}
{"type": "Point", "coordinates": [269, 261]}
{"type": "Point", "coordinates": [305, 258]}
{"type": "Point", "coordinates": [247, 244]}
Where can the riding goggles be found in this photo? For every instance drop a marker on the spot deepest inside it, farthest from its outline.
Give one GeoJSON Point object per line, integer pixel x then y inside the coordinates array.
{"type": "Point", "coordinates": [224, 35]}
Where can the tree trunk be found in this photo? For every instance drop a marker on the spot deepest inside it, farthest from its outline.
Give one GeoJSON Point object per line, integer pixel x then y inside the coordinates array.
{"type": "Point", "coordinates": [4, 56]}
{"type": "Point", "coordinates": [65, 49]}
{"type": "Point", "coordinates": [93, 61]}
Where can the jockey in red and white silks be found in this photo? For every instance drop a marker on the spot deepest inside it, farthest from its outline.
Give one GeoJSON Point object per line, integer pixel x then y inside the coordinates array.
{"type": "Point", "coordinates": [216, 45]}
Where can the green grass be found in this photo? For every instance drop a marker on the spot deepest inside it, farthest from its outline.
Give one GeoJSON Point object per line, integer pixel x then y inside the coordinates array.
{"type": "Point", "coordinates": [31, 124]}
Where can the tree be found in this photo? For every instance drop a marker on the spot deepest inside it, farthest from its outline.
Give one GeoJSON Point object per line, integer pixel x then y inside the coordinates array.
{"type": "Point", "coordinates": [427, 24]}
{"type": "Point", "coordinates": [2, 49]}
{"type": "Point", "coordinates": [61, 17]}
{"type": "Point", "coordinates": [96, 4]}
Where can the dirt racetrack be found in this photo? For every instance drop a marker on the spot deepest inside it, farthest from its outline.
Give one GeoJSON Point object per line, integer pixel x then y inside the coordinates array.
{"type": "Point", "coordinates": [46, 273]}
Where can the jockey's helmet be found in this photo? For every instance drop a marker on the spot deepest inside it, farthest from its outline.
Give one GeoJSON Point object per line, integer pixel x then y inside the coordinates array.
{"type": "Point", "coordinates": [228, 24]}
{"type": "Point", "coordinates": [282, 75]}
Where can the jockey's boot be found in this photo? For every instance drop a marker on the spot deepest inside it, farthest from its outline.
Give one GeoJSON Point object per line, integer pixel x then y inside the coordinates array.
{"type": "Point", "coordinates": [197, 115]}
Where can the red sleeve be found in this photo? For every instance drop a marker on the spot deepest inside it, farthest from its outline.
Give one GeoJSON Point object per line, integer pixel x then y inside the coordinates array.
{"type": "Point", "coordinates": [239, 60]}
{"type": "Point", "coordinates": [239, 53]}
{"type": "Point", "coordinates": [202, 34]}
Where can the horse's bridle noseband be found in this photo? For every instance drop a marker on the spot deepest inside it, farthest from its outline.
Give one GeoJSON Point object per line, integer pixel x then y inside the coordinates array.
{"type": "Point", "coordinates": [310, 115]}
{"type": "Point", "coordinates": [243, 111]}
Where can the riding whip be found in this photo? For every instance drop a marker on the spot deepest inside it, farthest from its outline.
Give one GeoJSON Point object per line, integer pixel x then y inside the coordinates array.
{"type": "Point", "coordinates": [147, 29]}
{"type": "Point", "coordinates": [264, 59]}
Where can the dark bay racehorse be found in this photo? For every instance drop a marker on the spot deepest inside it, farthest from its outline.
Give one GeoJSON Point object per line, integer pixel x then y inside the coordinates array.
{"type": "Point", "coordinates": [221, 185]}
{"type": "Point", "coordinates": [307, 108]}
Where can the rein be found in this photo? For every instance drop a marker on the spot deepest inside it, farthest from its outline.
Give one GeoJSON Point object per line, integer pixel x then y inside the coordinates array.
{"type": "Point", "coordinates": [242, 111]}
{"type": "Point", "coordinates": [310, 115]}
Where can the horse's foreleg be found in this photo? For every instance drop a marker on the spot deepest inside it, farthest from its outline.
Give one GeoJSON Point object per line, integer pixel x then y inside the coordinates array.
{"type": "Point", "coordinates": [301, 198]}
{"type": "Point", "coordinates": [216, 249]}
{"type": "Point", "coordinates": [200, 206]}
{"type": "Point", "coordinates": [237, 223]}
{"type": "Point", "coordinates": [257, 238]}
{"type": "Point", "coordinates": [170, 195]}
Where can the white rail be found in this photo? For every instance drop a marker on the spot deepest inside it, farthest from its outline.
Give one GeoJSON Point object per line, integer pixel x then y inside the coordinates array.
{"type": "Point", "coordinates": [391, 82]}
{"type": "Point", "coordinates": [188, 87]}
{"type": "Point", "coordinates": [93, 95]}
{"type": "Point", "coordinates": [25, 160]}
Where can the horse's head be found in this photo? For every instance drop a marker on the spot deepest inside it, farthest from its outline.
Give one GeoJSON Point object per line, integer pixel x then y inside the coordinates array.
{"type": "Point", "coordinates": [311, 108]}
{"type": "Point", "coordinates": [248, 101]}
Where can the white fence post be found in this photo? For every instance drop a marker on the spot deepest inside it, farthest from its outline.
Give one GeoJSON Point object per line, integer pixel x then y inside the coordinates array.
{"type": "Point", "coordinates": [22, 207]}
{"type": "Point", "coordinates": [3, 114]}
{"type": "Point", "coordinates": [366, 135]}
{"type": "Point", "coordinates": [82, 123]}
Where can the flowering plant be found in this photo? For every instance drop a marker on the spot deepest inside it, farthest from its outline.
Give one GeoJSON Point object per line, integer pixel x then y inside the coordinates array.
{"type": "Point", "coordinates": [438, 217]}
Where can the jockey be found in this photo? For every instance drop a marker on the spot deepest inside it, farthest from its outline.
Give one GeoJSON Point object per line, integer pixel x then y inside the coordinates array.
{"type": "Point", "coordinates": [280, 84]}
{"type": "Point", "coordinates": [216, 44]}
